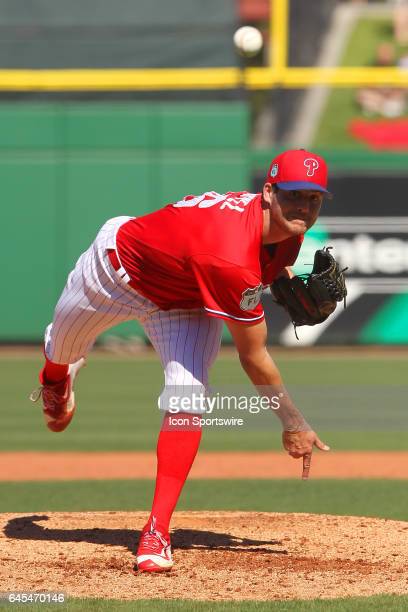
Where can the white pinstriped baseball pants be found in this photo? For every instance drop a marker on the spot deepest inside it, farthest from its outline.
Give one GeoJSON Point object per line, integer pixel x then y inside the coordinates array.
{"type": "Point", "coordinates": [96, 298]}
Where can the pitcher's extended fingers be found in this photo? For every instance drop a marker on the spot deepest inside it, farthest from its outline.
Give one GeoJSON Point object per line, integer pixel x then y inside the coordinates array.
{"type": "Point", "coordinates": [321, 445]}
{"type": "Point", "coordinates": [307, 459]}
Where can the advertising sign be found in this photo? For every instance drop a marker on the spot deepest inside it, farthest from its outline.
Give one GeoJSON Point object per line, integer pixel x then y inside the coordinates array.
{"type": "Point", "coordinates": [367, 226]}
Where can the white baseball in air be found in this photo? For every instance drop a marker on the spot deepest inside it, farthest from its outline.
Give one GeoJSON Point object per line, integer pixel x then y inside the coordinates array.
{"type": "Point", "coordinates": [248, 41]}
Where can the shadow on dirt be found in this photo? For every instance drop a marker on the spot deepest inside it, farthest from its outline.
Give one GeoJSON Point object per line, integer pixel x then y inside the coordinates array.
{"type": "Point", "coordinates": [27, 528]}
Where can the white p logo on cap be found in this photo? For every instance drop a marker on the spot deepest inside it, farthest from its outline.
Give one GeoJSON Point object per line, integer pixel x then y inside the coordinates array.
{"type": "Point", "coordinates": [311, 165]}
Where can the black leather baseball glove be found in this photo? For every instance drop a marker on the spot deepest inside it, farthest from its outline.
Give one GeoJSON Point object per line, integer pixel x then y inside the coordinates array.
{"type": "Point", "coordinates": [310, 298]}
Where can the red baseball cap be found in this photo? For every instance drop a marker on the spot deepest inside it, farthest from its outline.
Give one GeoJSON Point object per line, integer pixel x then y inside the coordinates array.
{"type": "Point", "coordinates": [298, 169]}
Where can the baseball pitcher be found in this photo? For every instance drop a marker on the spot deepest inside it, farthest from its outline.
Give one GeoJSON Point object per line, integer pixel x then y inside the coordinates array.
{"type": "Point", "coordinates": [182, 271]}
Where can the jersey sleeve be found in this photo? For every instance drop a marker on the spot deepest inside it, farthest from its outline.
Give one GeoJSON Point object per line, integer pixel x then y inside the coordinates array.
{"type": "Point", "coordinates": [228, 291]}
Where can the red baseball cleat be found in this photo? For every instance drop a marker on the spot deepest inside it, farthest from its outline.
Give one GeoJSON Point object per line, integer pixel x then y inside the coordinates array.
{"type": "Point", "coordinates": [59, 399]}
{"type": "Point", "coordinates": [154, 552]}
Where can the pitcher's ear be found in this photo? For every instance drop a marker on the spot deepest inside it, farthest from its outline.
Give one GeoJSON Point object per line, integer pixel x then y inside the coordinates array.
{"type": "Point", "coordinates": [267, 193]}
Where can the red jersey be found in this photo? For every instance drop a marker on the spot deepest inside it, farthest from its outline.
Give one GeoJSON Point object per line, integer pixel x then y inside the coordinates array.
{"type": "Point", "coordinates": [204, 252]}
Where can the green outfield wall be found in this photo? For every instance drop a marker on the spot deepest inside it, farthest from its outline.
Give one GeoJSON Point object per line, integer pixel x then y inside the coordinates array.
{"type": "Point", "coordinates": [67, 167]}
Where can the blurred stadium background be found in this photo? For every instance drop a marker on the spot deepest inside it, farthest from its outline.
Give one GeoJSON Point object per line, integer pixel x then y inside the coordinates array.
{"type": "Point", "coordinates": [123, 109]}
{"type": "Point", "coordinates": [113, 108]}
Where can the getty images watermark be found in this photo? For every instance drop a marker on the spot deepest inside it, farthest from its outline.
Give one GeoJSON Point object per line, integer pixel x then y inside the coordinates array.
{"type": "Point", "coordinates": [194, 406]}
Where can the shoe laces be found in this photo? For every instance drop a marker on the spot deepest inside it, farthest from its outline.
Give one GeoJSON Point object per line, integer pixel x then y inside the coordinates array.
{"type": "Point", "coordinates": [36, 394]}
{"type": "Point", "coordinates": [155, 540]}
{"type": "Point", "coordinates": [49, 395]}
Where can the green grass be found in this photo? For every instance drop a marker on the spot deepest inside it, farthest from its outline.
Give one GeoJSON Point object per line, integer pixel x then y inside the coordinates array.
{"type": "Point", "coordinates": [391, 603]}
{"type": "Point", "coordinates": [359, 404]}
{"type": "Point", "coordinates": [341, 106]}
{"type": "Point", "coordinates": [377, 498]}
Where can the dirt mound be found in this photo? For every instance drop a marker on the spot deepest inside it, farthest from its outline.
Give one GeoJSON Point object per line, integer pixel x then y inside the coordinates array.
{"type": "Point", "coordinates": [218, 555]}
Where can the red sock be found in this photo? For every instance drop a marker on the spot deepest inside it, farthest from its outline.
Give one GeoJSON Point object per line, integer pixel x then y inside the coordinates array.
{"type": "Point", "coordinates": [176, 451]}
{"type": "Point", "coordinates": [53, 372]}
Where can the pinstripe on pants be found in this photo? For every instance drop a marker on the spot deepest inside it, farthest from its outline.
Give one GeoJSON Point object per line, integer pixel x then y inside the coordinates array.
{"type": "Point", "coordinates": [95, 299]}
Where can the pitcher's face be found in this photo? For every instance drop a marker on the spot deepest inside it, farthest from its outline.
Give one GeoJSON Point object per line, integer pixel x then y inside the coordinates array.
{"type": "Point", "coordinates": [301, 204]}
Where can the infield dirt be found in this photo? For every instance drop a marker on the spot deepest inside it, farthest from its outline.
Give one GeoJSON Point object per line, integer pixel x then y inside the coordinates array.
{"type": "Point", "coordinates": [218, 556]}
{"type": "Point", "coordinates": [35, 466]}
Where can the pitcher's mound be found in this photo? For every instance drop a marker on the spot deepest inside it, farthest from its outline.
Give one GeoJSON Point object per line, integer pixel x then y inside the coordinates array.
{"type": "Point", "coordinates": [218, 555]}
